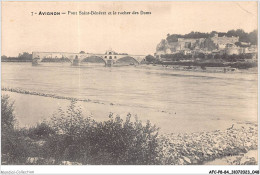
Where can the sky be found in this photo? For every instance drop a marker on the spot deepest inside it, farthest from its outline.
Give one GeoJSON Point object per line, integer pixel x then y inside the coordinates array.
{"type": "Point", "coordinates": [132, 34]}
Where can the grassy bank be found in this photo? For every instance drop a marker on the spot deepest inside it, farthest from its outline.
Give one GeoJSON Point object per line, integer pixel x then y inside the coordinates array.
{"type": "Point", "coordinates": [71, 138]}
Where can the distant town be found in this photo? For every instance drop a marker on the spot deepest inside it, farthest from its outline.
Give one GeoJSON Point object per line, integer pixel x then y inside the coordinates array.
{"type": "Point", "coordinates": [208, 45]}
{"type": "Point", "coordinates": [235, 48]}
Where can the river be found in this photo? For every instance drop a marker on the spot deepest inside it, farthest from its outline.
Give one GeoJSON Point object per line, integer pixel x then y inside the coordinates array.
{"type": "Point", "coordinates": [175, 100]}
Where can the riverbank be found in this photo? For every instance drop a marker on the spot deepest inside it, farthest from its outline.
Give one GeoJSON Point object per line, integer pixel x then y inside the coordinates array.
{"type": "Point", "coordinates": [249, 158]}
{"type": "Point", "coordinates": [233, 146]}
{"type": "Point", "coordinates": [16, 61]}
{"type": "Point", "coordinates": [195, 148]}
{"type": "Point", "coordinates": [204, 147]}
{"type": "Point", "coordinates": [203, 65]}
{"type": "Point", "coordinates": [29, 113]}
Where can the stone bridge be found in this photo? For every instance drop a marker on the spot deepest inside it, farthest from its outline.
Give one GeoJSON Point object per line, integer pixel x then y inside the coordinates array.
{"type": "Point", "coordinates": [109, 58]}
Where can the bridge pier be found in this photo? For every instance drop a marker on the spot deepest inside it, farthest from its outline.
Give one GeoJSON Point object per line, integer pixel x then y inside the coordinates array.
{"type": "Point", "coordinates": [75, 62]}
{"type": "Point", "coordinates": [35, 62]}
{"type": "Point", "coordinates": [109, 63]}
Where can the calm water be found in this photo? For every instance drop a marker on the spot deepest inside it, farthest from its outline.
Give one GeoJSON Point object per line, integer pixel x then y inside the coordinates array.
{"type": "Point", "coordinates": [190, 95]}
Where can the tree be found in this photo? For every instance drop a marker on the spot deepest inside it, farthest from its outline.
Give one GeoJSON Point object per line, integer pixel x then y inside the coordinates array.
{"type": "Point", "coordinates": [25, 56]}
{"type": "Point", "coordinates": [150, 58]}
{"type": "Point", "coordinates": [161, 45]}
{"type": "Point", "coordinates": [201, 55]}
{"type": "Point", "coordinates": [243, 36]}
{"type": "Point", "coordinates": [7, 114]}
{"type": "Point", "coordinates": [209, 56]}
{"type": "Point", "coordinates": [81, 52]}
{"type": "Point", "coordinates": [252, 36]}
{"type": "Point", "coordinates": [225, 57]}
{"type": "Point", "coordinates": [217, 56]}
{"type": "Point", "coordinates": [213, 33]}
{"type": "Point", "coordinates": [172, 38]}
{"type": "Point", "coordinates": [3, 57]}
{"type": "Point", "coordinates": [231, 33]}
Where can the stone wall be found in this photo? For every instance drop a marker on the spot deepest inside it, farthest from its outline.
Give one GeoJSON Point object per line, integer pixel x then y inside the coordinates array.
{"type": "Point", "coordinates": [224, 40]}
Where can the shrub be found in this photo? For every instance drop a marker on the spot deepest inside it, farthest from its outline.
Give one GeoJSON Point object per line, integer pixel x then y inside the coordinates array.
{"type": "Point", "coordinates": [71, 132]}
{"type": "Point", "coordinates": [114, 141]}
{"type": "Point", "coordinates": [244, 65]}
{"type": "Point", "coordinates": [150, 58]}
{"type": "Point", "coordinates": [14, 148]}
{"type": "Point", "coordinates": [40, 131]}
{"type": "Point", "coordinates": [69, 136]}
{"type": "Point", "coordinates": [127, 142]}
{"type": "Point", "coordinates": [7, 115]}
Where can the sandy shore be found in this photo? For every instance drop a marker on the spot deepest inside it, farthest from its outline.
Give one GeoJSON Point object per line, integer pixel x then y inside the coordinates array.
{"type": "Point", "coordinates": [33, 108]}
{"type": "Point", "coordinates": [211, 142]}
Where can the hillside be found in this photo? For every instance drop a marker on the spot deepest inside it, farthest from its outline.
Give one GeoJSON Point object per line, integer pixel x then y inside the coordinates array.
{"type": "Point", "coordinates": [204, 40]}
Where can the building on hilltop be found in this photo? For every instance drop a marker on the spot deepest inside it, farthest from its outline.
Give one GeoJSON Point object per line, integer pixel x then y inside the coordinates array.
{"type": "Point", "coordinates": [252, 49]}
{"type": "Point", "coordinates": [212, 45]}
{"type": "Point", "coordinates": [190, 43]}
{"type": "Point", "coordinates": [223, 41]}
{"type": "Point", "coordinates": [231, 49]}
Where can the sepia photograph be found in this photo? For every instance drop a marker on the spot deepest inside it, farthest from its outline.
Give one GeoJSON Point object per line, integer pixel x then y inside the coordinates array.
{"type": "Point", "coordinates": [129, 83]}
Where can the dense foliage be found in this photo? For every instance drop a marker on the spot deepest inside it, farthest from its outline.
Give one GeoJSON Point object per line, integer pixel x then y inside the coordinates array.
{"type": "Point", "coordinates": [7, 115]}
{"type": "Point", "coordinates": [116, 141]}
{"type": "Point", "coordinates": [243, 36]}
{"type": "Point", "coordinates": [202, 56]}
{"type": "Point", "coordinates": [71, 137]}
{"type": "Point", "coordinates": [14, 148]}
{"type": "Point", "coordinates": [150, 59]}
{"type": "Point", "coordinates": [210, 60]}
{"type": "Point", "coordinates": [22, 57]}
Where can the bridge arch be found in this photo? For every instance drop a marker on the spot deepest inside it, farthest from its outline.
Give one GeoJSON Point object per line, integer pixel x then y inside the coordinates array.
{"type": "Point", "coordinates": [93, 59]}
{"type": "Point", "coordinates": [128, 59]}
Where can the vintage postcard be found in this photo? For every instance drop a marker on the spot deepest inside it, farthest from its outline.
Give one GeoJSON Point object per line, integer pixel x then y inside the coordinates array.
{"type": "Point", "coordinates": [129, 83]}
